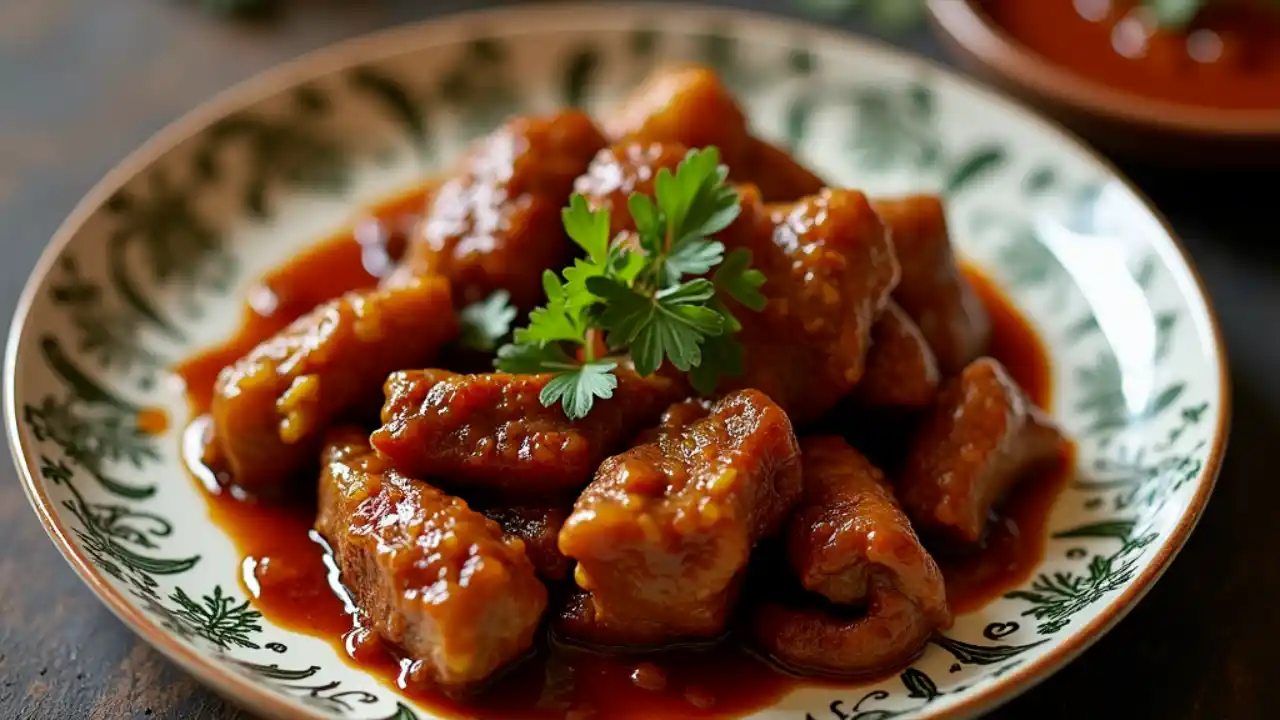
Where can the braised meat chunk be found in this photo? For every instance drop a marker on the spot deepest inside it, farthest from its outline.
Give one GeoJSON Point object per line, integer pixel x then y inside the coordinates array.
{"type": "Point", "coordinates": [492, 432]}
{"type": "Point", "coordinates": [901, 369]}
{"type": "Point", "coordinates": [495, 224]}
{"type": "Point", "coordinates": [849, 528]}
{"type": "Point", "coordinates": [663, 533]}
{"type": "Point", "coordinates": [982, 436]}
{"type": "Point", "coordinates": [830, 267]}
{"type": "Point", "coordinates": [271, 408]}
{"type": "Point", "coordinates": [933, 291]}
{"type": "Point", "coordinates": [850, 542]}
{"type": "Point", "coordinates": [622, 169]}
{"type": "Point", "coordinates": [689, 105]}
{"type": "Point", "coordinates": [434, 577]}
{"type": "Point", "coordinates": [838, 642]}
{"type": "Point", "coordinates": [539, 529]}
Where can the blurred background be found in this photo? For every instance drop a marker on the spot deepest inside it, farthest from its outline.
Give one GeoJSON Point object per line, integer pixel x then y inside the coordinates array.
{"type": "Point", "coordinates": [1183, 95]}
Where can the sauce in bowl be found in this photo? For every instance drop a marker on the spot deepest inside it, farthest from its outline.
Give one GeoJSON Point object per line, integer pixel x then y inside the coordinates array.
{"type": "Point", "coordinates": [1227, 58]}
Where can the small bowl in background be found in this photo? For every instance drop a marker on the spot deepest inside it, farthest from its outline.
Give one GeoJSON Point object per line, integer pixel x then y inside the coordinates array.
{"type": "Point", "coordinates": [1115, 119]}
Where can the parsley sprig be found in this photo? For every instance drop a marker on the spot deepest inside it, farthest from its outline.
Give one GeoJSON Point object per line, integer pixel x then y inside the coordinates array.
{"type": "Point", "coordinates": [645, 296]}
{"type": "Point", "coordinates": [485, 323]}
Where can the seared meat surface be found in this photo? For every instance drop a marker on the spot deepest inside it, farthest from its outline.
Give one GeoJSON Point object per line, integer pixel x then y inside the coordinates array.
{"type": "Point", "coordinates": [689, 106]}
{"type": "Point", "coordinates": [933, 291]}
{"type": "Point", "coordinates": [622, 169]}
{"type": "Point", "coordinates": [889, 633]}
{"type": "Point", "coordinates": [850, 542]}
{"type": "Point", "coordinates": [495, 222]}
{"type": "Point", "coordinates": [271, 408]}
{"type": "Point", "coordinates": [433, 576]}
{"type": "Point", "coordinates": [491, 431]}
{"type": "Point", "coordinates": [981, 437]}
{"type": "Point", "coordinates": [830, 267]}
{"type": "Point", "coordinates": [850, 528]}
{"type": "Point", "coordinates": [664, 531]}
{"type": "Point", "coordinates": [901, 370]}
{"type": "Point", "coordinates": [539, 529]}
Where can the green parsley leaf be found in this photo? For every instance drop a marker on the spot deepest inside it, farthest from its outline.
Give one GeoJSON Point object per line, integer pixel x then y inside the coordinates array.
{"type": "Point", "coordinates": [731, 324]}
{"type": "Point", "coordinates": [632, 291]}
{"type": "Point", "coordinates": [486, 322]}
{"type": "Point", "coordinates": [556, 320]}
{"type": "Point", "coordinates": [547, 325]}
{"type": "Point", "coordinates": [671, 326]}
{"type": "Point", "coordinates": [648, 221]}
{"type": "Point", "coordinates": [736, 277]}
{"type": "Point", "coordinates": [577, 389]}
{"type": "Point", "coordinates": [625, 313]}
{"type": "Point", "coordinates": [552, 287]}
{"type": "Point", "coordinates": [714, 207]}
{"type": "Point", "coordinates": [693, 256]}
{"type": "Point", "coordinates": [721, 357]}
{"type": "Point", "coordinates": [701, 320]}
{"type": "Point", "coordinates": [699, 172]}
{"type": "Point", "coordinates": [588, 228]}
{"type": "Point", "coordinates": [577, 295]}
{"type": "Point", "coordinates": [694, 291]}
{"type": "Point", "coordinates": [625, 264]}
{"type": "Point", "coordinates": [676, 333]}
{"type": "Point", "coordinates": [528, 358]}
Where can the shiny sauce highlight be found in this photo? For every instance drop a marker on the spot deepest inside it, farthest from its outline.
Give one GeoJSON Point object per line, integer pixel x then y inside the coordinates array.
{"type": "Point", "coordinates": [286, 568]}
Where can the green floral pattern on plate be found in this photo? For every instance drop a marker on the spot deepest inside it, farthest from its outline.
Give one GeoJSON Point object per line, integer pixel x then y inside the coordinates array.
{"type": "Point", "coordinates": [160, 270]}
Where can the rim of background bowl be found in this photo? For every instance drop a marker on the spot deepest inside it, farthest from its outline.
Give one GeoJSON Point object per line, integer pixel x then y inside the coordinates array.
{"type": "Point", "coordinates": [417, 36]}
{"type": "Point", "coordinates": [965, 25]}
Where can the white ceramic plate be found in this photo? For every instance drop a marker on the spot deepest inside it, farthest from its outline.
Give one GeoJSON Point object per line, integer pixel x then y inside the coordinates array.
{"type": "Point", "coordinates": [154, 264]}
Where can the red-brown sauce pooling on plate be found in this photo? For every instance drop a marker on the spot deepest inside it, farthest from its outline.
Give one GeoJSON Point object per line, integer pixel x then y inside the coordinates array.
{"type": "Point", "coordinates": [352, 260]}
{"type": "Point", "coordinates": [1229, 56]}
{"type": "Point", "coordinates": [285, 567]}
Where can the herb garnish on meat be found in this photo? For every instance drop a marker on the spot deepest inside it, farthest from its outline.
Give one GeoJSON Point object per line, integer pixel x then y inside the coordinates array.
{"type": "Point", "coordinates": [652, 305]}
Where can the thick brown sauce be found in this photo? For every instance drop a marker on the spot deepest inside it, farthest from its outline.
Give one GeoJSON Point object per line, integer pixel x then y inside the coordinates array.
{"type": "Point", "coordinates": [352, 260]}
{"type": "Point", "coordinates": [1228, 58]}
{"type": "Point", "coordinates": [1015, 541]}
{"type": "Point", "coordinates": [286, 569]}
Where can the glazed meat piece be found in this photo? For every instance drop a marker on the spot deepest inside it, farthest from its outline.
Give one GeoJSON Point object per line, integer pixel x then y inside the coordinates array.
{"type": "Point", "coordinates": [830, 267]}
{"type": "Point", "coordinates": [933, 291]}
{"type": "Point", "coordinates": [676, 418]}
{"type": "Point", "coordinates": [901, 369]}
{"type": "Point", "coordinates": [982, 435]}
{"type": "Point", "coordinates": [687, 105]}
{"type": "Point", "coordinates": [271, 408]}
{"type": "Point", "coordinates": [492, 432]}
{"type": "Point", "coordinates": [778, 175]}
{"type": "Point", "coordinates": [663, 533]}
{"type": "Point", "coordinates": [622, 169]}
{"type": "Point", "coordinates": [850, 542]}
{"type": "Point", "coordinates": [834, 642]}
{"type": "Point", "coordinates": [539, 529]}
{"type": "Point", "coordinates": [849, 529]}
{"type": "Point", "coordinates": [434, 577]}
{"type": "Point", "coordinates": [690, 106]}
{"type": "Point", "coordinates": [495, 224]}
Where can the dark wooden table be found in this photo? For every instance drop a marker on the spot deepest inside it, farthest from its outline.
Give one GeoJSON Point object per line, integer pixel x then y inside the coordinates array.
{"type": "Point", "coordinates": [83, 82]}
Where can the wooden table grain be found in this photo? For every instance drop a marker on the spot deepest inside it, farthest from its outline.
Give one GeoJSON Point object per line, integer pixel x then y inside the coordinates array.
{"type": "Point", "coordinates": [83, 82]}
